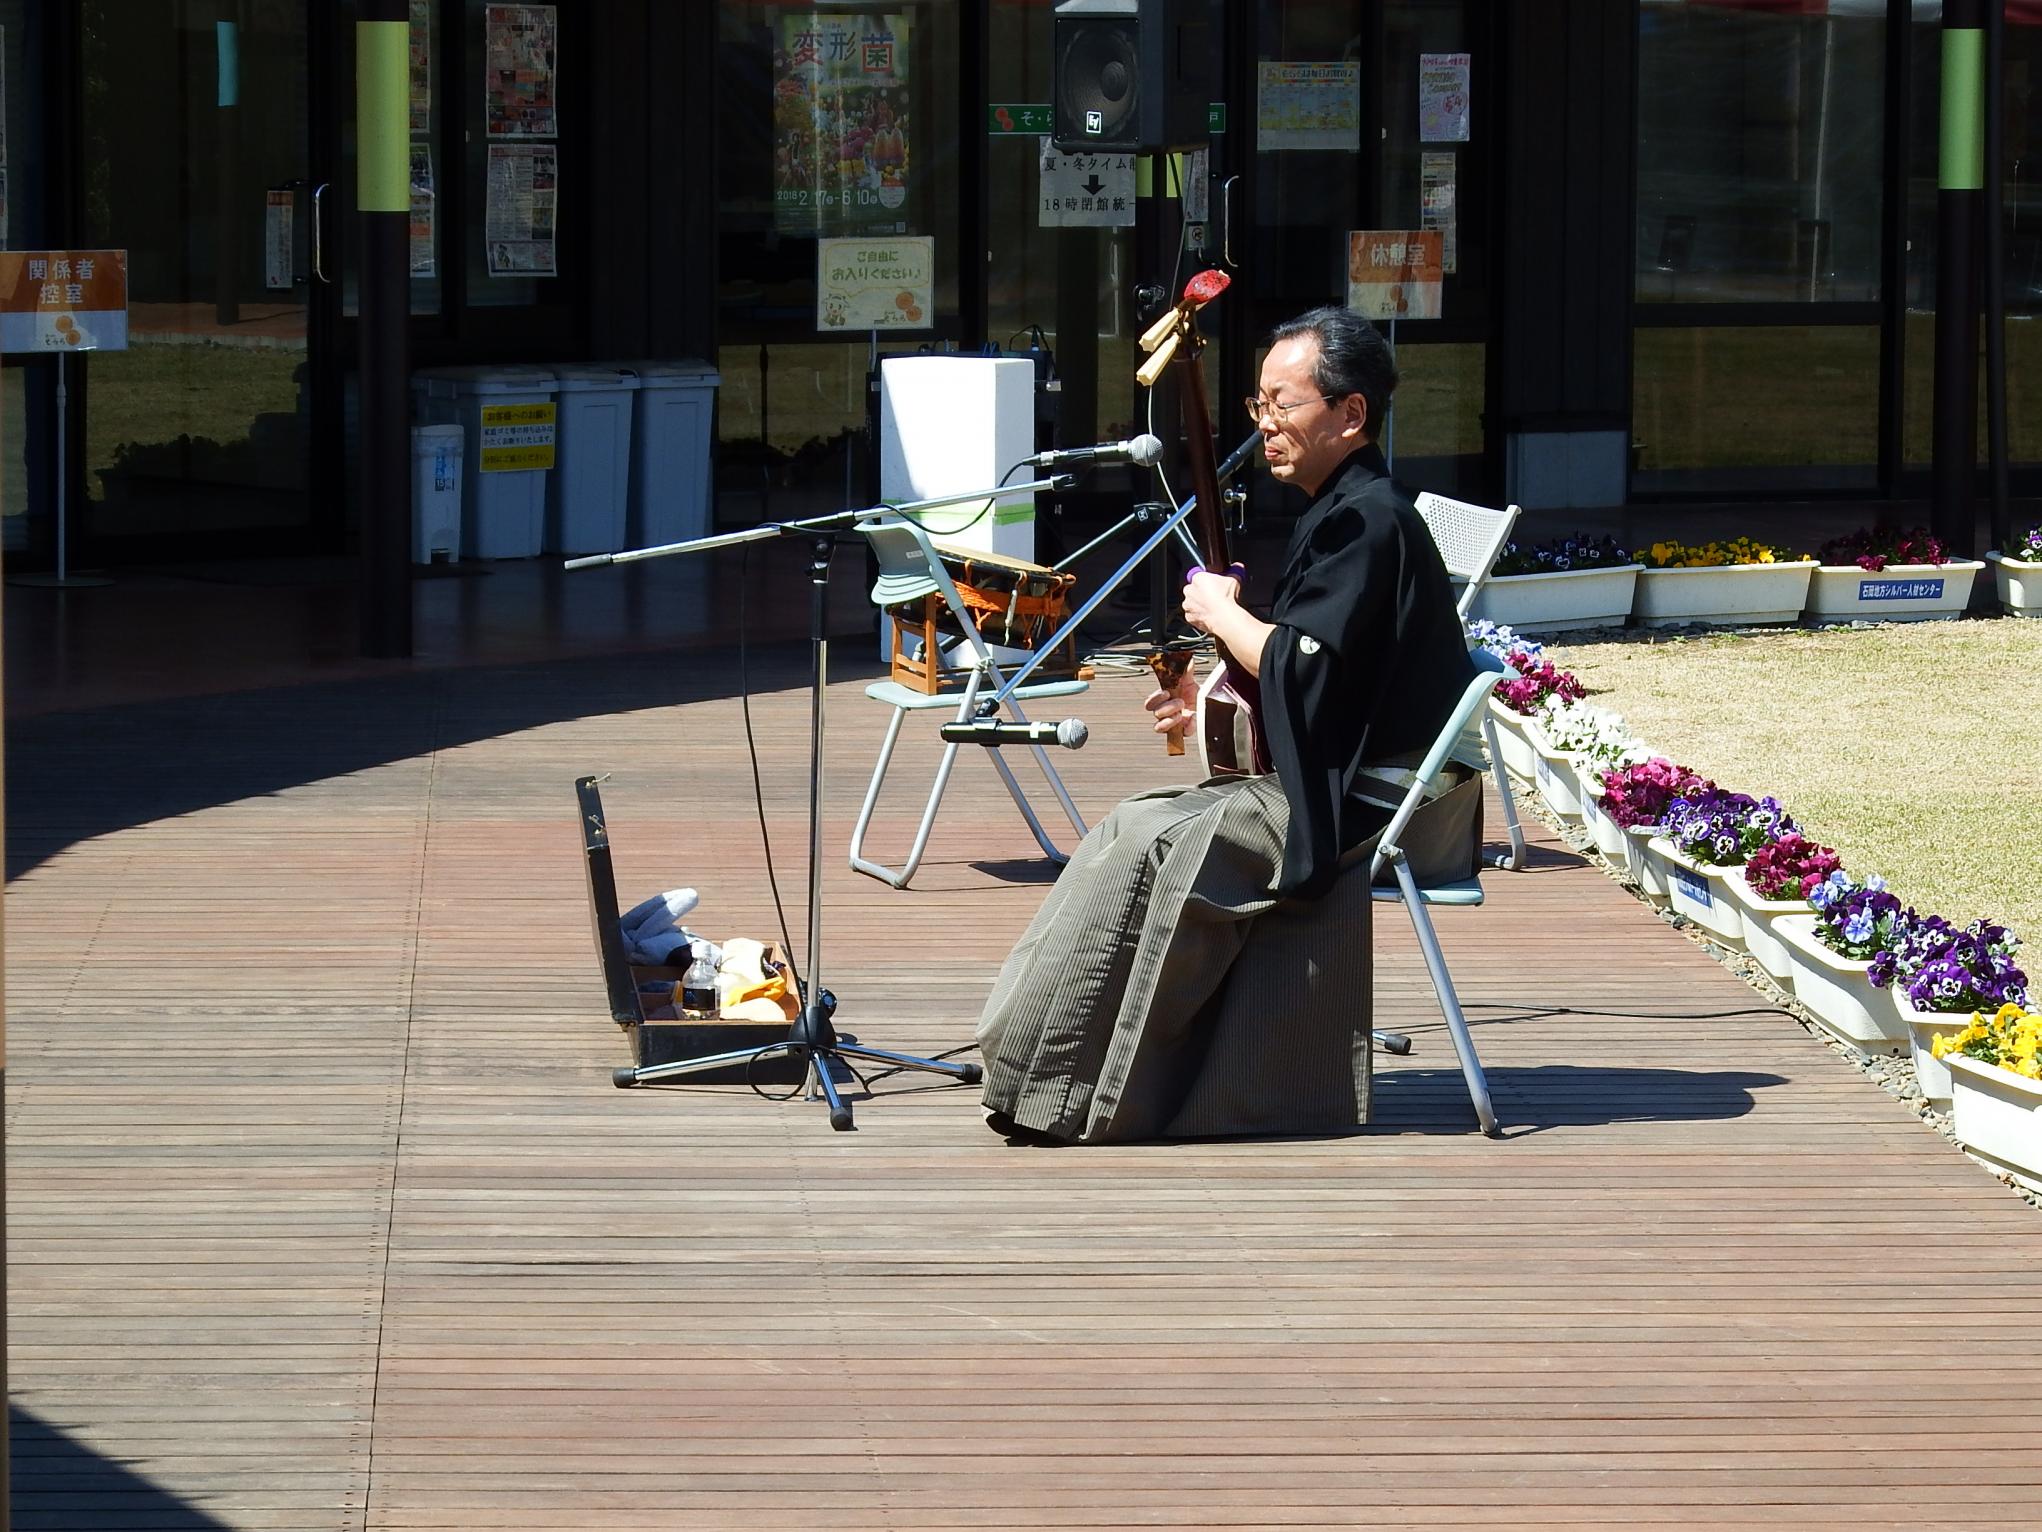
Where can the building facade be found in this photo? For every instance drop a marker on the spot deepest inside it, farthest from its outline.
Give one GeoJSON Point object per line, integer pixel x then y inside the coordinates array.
{"type": "Point", "coordinates": [1687, 246]}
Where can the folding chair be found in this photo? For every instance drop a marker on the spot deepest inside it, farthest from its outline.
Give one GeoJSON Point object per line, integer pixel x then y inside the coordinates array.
{"type": "Point", "coordinates": [909, 570]}
{"type": "Point", "coordinates": [1469, 538]}
{"type": "Point", "coordinates": [1460, 893]}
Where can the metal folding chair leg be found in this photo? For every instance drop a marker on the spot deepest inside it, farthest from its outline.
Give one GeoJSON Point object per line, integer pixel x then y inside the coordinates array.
{"type": "Point", "coordinates": [1056, 785]}
{"type": "Point", "coordinates": [1516, 857]}
{"type": "Point", "coordinates": [1449, 1002]}
{"type": "Point", "coordinates": [898, 877]}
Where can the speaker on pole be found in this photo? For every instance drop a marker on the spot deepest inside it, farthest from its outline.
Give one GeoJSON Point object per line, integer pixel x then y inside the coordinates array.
{"type": "Point", "coordinates": [1131, 76]}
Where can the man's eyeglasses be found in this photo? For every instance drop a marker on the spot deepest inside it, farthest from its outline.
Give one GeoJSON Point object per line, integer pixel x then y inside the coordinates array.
{"type": "Point", "coordinates": [1258, 407]}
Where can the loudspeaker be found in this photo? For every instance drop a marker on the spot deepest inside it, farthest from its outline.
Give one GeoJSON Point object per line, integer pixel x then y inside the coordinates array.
{"type": "Point", "coordinates": [1131, 76]}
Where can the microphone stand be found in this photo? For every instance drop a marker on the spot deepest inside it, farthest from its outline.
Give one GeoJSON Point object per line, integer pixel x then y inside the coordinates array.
{"type": "Point", "coordinates": [1174, 522]}
{"type": "Point", "coordinates": [812, 1038]}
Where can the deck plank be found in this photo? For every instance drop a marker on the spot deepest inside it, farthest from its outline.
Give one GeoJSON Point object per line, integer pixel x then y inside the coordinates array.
{"type": "Point", "coordinates": [324, 1213]}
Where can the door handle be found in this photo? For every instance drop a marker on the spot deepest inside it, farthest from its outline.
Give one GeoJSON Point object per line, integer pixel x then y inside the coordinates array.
{"type": "Point", "coordinates": [1227, 221]}
{"type": "Point", "coordinates": [319, 233]}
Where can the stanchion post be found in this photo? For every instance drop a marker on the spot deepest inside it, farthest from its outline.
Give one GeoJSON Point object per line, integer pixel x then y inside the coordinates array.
{"type": "Point", "coordinates": [383, 199]}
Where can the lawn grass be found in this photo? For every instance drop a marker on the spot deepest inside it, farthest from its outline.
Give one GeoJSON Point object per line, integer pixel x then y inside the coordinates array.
{"type": "Point", "coordinates": [1915, 749]}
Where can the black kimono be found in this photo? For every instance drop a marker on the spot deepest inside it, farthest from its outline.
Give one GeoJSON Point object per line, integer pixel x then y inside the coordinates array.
{"type": "Point", "coordinates": [1183, 977]}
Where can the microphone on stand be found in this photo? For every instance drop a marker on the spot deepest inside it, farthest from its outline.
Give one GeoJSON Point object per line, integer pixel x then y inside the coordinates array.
{"type": "Point", "coordinates": [1140, 450]}
{"type": "Point", "coordinates": [994, 732]}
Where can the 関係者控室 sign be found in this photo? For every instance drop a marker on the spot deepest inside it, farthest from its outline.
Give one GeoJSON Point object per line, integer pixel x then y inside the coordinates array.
{"type": "Point", "coordinates": [63, 300]}
{"type": "Point", "coordinates": [516, 437]}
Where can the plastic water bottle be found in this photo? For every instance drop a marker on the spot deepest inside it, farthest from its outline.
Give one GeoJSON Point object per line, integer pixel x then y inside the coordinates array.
{"type": "Point", "coordinates": [698, 984]}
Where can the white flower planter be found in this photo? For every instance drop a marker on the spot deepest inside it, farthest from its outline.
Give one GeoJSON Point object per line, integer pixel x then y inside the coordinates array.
{"type": "Point", "coordinates": [1897, 593]}
{"type": "Point", "coordinates": [1725, 595]}
{"type": "Point", "coordinates": [1513, 742]}
{"type": "Point", "coordinates": [1556, 779]}
{"type": "Point", "coordinates": [2020, 585]}
{"type": "Point", "coordinates": [1836, 991]}
{"type": "Point", "coordinates": [1932, 1073]}
{"type": "Point", "coordinates": [1609, 838]}
{"type": "Point", "coordinates": [1998, 1118]}
{"type": "Point", "coordinates": [1760, 939]}
{"type": "Point", "coordinates": [1697, 891]}
{"type": "Point", "coordinates": [1646, 867]}
{"type": "Point", "coordinates": [1554, 601]}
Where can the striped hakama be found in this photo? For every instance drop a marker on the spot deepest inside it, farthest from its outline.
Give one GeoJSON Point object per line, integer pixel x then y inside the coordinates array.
{"type": "Point", "coordinates": [1136, 1005]}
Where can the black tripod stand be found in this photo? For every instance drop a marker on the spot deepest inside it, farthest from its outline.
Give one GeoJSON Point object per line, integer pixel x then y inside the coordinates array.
{"type": "Point", "coordinates": [812, 1038]}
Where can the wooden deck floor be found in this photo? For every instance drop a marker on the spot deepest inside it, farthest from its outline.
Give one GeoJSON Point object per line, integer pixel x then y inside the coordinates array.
{"type": "Point", "coordinates": [325, 1214]}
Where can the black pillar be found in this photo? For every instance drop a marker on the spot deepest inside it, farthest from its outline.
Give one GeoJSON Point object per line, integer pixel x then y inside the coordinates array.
{"type": "Point", "coordinates": [382, 128]}
{"type": "Point", "coordinates": [1959, 200]}
{"type": "Point", "coordinates": [1999, 526]}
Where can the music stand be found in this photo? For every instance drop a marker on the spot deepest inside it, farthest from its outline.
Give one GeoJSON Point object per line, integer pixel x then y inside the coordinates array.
{"type": "Point", "coordinates": [812, 1038]}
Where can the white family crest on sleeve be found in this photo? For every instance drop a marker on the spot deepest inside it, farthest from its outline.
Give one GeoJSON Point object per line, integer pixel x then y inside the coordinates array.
{"type": "Point", "coordinates": [1307, 644]}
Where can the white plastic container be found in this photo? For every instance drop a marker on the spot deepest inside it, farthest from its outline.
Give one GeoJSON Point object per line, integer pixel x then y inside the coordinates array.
{"type": "Point", "coordinates": [673, 410]}
{"type": "Point", "coordinates": [591, 483]}
{"type": "Point", "coordinates": [507, 460]}
{"type": "Point", "coordinates": [436, 453]}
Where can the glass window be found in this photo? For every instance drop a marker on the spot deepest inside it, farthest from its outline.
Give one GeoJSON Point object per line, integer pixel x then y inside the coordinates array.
{"type": "Point", "coordinates": [514, 123]}
{"type": "Point", "coordinates": [1759, 154]}
{"type": "Point", "coordinates": [839, 122]}
{"type": "Point", "coordinates": [202, 424]}
{"type": "Point", "coordinates": [1746, 407]}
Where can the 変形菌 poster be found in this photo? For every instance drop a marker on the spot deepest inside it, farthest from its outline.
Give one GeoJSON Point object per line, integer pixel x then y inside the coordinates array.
{"type": "Point", "coordinates": [840, 124]}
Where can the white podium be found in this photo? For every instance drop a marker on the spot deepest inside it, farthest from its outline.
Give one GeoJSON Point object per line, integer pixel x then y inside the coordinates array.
{"type": "Point", "coordinates": [951, 423]}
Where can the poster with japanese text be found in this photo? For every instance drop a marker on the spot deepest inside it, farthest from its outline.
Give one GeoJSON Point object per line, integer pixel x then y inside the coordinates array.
{"type": "Point", "coordinates": [1436, 195]}
{"type": "Point", "coordinates": [841, 125]}
{"type": "Point", "coordinates": [1443, 98]}
{"type": "Point", "coordinates": [421, 67]}
{"type": "Point", "coordinates": [1308, 106]}
{"type": "Point", "coordinates": [64, 300]}
{"type": "Point", "coordinates": [279, 250]}
{"type": "Point", "coordinates": [1078, 191]}
{"type": "Point", "coordinates": [519, 56]}
{"type": "Point", "coordinates": [875, 284]}
{"type": "Point", "coordinates": [518, 225]}
{"type": "Point", "coordinates": [1394, 273]}
{"type": "Point", "coordinates": [423, 211]}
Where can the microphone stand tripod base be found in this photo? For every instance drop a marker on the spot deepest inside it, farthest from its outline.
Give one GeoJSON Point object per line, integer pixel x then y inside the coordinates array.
{"type": "Point", "coordinates": [817, 1043]}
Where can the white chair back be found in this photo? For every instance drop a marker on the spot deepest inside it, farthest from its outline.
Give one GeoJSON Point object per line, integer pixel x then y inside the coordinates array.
{"type": "Point", "coordinates": [909, 569]}
{"type": "Point", "coordinates": [1469, 538]}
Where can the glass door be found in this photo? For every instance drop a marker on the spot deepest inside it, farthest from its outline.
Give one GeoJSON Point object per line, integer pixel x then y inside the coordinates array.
{"type": "Point", "coordinates": [1364, 115]}
{"type": "Point", "coordinates": [197, 158]}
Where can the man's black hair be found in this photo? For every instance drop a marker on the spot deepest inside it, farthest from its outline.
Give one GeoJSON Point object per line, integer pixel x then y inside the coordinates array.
{"type": "Point", "coordinates": [1353, 359]}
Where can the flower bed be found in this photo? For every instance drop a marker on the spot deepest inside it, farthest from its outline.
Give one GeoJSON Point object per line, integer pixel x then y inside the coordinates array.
{"type": "Point", "coordinates": [2017, 572]}
{"type": "Point", "coordinates": [1707, 836]}
{"type": "Point", "coordinates": [1996, 1090]}
{"type": "Point", "coordinates": [1775, 881]}
{"type": "Point", "coordinates": [1935, 973]}
{"type": "Point", "coordinates": [1635, 798]}
{"type": "Point", "coordinates": [1576, 582]}
{"type": "Point", "coordinates": [1720, 584]}
{"type": "Point", "coordinates": [1832, 951]}
{"type": "Point", "coordinates": [1889, 574]}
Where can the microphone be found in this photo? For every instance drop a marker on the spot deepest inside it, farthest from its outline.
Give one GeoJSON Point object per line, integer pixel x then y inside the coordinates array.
{"type": "Point", "coordinates": [994, 732]}
{"type": "Point", "coordinates": [1141, 450]}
